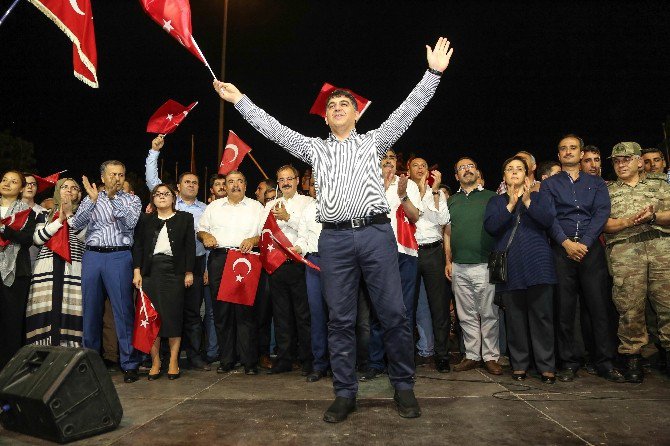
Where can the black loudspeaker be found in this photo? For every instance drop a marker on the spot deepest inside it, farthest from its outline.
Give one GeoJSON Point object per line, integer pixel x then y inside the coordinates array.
{"type": "Point", "coordinates": [58, 393]}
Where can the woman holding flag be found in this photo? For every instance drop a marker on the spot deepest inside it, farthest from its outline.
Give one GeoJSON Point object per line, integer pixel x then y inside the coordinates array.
{"type": "Point", "coordinates": [55, 312]}
{"type": "Point", "coordinates": [16, 237]}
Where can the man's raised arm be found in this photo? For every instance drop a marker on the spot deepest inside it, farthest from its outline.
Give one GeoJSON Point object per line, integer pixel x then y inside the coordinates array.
{"type": "Point", "coordinates": [293, 142]}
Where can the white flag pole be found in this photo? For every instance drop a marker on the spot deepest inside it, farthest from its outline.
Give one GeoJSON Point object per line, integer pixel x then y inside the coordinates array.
{"type": "Point", "coordinates": [203, 57]}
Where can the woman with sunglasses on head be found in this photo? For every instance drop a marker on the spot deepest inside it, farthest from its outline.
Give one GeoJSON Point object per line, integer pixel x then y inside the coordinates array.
{"type": "Point", "coordinates": [163, 258]}
{"type": "Point", "coordinates": [16, 237]}
{"type": "Point", "coordinates": [55, 309]}
{"type": "Point", "coordinates": [527, 294]}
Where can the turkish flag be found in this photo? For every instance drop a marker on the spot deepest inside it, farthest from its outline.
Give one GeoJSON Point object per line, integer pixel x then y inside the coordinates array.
{"type": "Point", "coordinates": [15, 221]}
{"type": "Point", "coordinates": [275, 247]}
{"type": "Point", "coordinates": [174, 16]}
{"type": "Point", "coordinates": [168, 116]}
{"type": "Point", "coordinates": [233, 153]}
{"type": "Point", "coordinates": [75, 18]}
{"type": "Point", "coordinates": [44, 183]}
{"type": "Point", "coordinates": [239, 280]}
{"type": "Point", "coordinates": [405, 230]}
{"type": "Point", "coordinates": [147, 323]}
{"type": "Point", "coordinates": [59, 243]}
{"type": "Point", "coordinates": [319, 106]}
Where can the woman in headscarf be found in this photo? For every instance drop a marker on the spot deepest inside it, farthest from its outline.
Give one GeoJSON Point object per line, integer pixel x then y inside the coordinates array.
{"type": "Point", "coordinates": [54, 314]}
{"type": "Point", "coordinates": [16, 237]}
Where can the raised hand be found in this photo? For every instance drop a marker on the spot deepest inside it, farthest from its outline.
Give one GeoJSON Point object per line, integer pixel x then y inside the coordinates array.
{"type": "Point", "coordinates": [526, 193]}
{"type": "Point", "coordinates": [388, 178]}
{"type": "Point", "coordinates": [227, 91]}
{"type": "Point", "coordinates": [157, 143]}
{"type": "Point", "coordinates": [90, 189]}
{"type": "Point", "coordinates": [65, 208]}
{"type": "Point", "coordinates": [439, 57]}
{"type": "Point", "coordinates": [437, 179]}
{"type": "Point", "coordinates": [402, 185]}
{"type": "Point", "coordinates": [513, 193]}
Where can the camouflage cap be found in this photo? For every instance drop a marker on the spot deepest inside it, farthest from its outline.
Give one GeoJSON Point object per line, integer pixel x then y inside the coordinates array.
{"type": "Point", "coordinates": [626, 149]}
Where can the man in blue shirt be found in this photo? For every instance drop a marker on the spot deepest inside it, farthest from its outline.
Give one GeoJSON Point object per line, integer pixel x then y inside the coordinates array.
{"type": "Point", "coordinates": [186, 201]}
{"type": "Point", "coordinates": [109, 216]}
{"type": "Point", "coordinates": [582, 208]}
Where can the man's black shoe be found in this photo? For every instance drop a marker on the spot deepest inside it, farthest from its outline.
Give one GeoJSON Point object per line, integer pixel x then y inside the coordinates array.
{"type": "Point", "coordinates": [566, 375]}
{"type": "Point", "coordinates": [224, 368]}
{"type": "Point", "coordinates": [251, 370]}
{"type": "Point", "coordinates": [130, 376]}
{"type": "Point", "coordinates": [371, 374]}
{"type": "Point", "coordinates": [339, 410]}
{"type": "Point", "coordinates": [408, 406]}
{"type": "Point", "coordinates": [590, 368]}
{"type": "Point", "coordinates": [633, 372]}
{"type": "Point", "coordinates": [198, 364]}
{"type": "Point", "coordinates": [442, 365]}
{"type": "Point", "coordinates": [280, 369]}
{"type": "Point", "coordinates": [306, 368]}
{"type": "Point", "coordinates": [613, 375]}
{"type": "Point", "coordinates": [111, 366]}
{"type": "Point", "coordinates": [315, 376]}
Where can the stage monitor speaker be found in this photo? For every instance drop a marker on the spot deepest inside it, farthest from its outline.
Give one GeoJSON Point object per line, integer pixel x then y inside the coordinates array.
{"type": "Point", "coordinates": [58, 393]}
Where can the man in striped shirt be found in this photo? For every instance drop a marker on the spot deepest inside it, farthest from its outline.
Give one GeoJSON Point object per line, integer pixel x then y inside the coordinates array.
{"type": "Point", "coordinates": [357, 236]}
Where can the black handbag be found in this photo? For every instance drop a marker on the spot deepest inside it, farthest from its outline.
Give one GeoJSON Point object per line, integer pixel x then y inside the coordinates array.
{"type": "Point", "coordinates": [498, 259]}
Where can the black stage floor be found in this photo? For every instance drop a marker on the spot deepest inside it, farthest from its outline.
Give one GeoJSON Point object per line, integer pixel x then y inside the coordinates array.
{"type": "Point", "coordinates": [467, 408]}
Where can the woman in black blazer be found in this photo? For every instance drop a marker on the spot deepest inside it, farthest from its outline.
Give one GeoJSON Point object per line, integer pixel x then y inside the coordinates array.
{"type": "Point", "coordinates": [163, 258]}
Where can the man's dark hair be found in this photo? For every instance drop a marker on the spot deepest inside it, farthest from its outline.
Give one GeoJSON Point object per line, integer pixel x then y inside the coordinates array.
{"type": "Point", "coordinates": [591, 148]}
{"type": "Point", "coordinates": [461, 159]}
{"type": "Point", "coordinates": [215, 177]}
{"type": "Point", "coordinates": [270, 183]}
{"type": "Point", "coordinates": [340, 93]}
{"type": "Point", "coordinates": [572, 135]}
{"type": "Point", "coordinates": [544, 168]}
{"type": "Point", "coordinates": [653, 150]}
{"type": "Point", "coordinates": [104, 165]}
{"type": "Point", "coordinates": [187, 173]}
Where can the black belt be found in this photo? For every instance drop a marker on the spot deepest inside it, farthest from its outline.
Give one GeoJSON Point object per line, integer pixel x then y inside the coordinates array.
{"type": "Point", "coordinates": [430, 245]}
{"type": "Point", "coordinates": [222, 250]}
{"type": "Point", "coordinates": [642, 237]}
{"type": "Point", "coordinates": [107, 248]}
{"type": "Point", "coordinates": [354, 223]}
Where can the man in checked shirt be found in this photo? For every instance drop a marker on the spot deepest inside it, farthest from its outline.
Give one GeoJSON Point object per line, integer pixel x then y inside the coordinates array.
{"type": "Point", "coordinates": [357, 236]}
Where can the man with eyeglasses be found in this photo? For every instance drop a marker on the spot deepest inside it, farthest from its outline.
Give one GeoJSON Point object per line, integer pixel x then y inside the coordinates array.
{"type": "Point", "coordinates": [28, 197]}
{"type": "Point", "coordinates": [638, 243]}
{"type": "Point", "coordinates": [288, 289]}
{"type": "Point", "coordinates": [582, 208]}
{"type": "Point", "coordinates": [467, 247]}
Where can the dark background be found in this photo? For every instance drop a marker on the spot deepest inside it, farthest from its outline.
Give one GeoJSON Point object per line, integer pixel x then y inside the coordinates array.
{"type": "Point", "coordinates": [523, 73]}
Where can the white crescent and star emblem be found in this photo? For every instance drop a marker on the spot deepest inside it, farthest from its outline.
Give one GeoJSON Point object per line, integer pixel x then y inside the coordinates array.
{"type": "Point", "coordinates": [234, 148]}
{"type": "Point", "coordinates": [144, 323]}
{"type": "Point", "coordinates": [246, 262]}
{"type": "Point", "coordinates": [167, 25]}
{"type": "Point", "coordinates": [75, 7]}
{"type": "Point", "coordinates": [169, 117]}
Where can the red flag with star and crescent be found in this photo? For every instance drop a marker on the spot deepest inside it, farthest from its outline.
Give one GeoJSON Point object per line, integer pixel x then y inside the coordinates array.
{"type": "Point", "coordinates": [168, 116]}
{"type": "Point", "coordinates": [15, 221]}
{"type": "Point", "coordinates": [59, 243]}
{"type": "Point", "coordinates": [147, 323]}
{"type": "Point", "coordinates": [319, 106]}
{"type": "Point", "coordinates": [75, 19]}
{"type": "Point", "coordinates": [239, 280]}
{"type": "Point", "coordinates": [275, 247]}
{"type": "Point", "coordinates": [233, 153]}
{"type": "Point", "coordinates": [174, 16]}
{"type": "Point", "coordinates": [44, 183]}
{"type": "Point", "coordinates": [406, 230]}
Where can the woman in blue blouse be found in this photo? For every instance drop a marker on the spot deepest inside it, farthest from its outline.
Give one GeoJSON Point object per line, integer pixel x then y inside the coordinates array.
{"type": "Point", "coordinates": [528, 293]}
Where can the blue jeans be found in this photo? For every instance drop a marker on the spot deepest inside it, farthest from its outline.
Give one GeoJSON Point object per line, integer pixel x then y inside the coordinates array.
{"type": "Point", "coordinates": [424, 324]}
{"type": "Point", "coordinates": [212, 347]}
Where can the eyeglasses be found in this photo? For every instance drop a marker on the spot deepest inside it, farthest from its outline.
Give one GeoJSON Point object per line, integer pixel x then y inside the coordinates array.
{"type": "Point", "coordinates": [162, 194]}
{"type": "Point", "coordinates": [514, 169]}
{"type": "Point", "coordinates": [72, 188]}
{"type": "Point", "coordinates": [465, 166]}
{"type": "Point", "coordinates": [285, 180]}
{"type": "Point", "coordinates": [31, 184]}
{"type": "Point", "coordinates": [622, 160]}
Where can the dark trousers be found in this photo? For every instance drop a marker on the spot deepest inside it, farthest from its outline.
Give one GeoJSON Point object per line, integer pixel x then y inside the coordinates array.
{"type": "Point", "coordinates": [13, 302]}
{"type": "Point", "coordinates": [318, 314]}
{"type": "Point", "coordinates": [407, 266]}
{"type": "Point", "coordinates": [373, 252]}
{"type": "Point", "coordinates": [192, 332]}
{"type": "Point", "coordinates": [431, 269]}
{"type": "Point", "coordinates": [290, 311]}
{"type": "Point", "coordinates": [263, 306]}
{"type": "Point", "coordinates": [235, 323]}
{"type": "Point", "coordinates": [587, 278]}
{"type": "Point", "coordinates": [530, 312]}
{"type": "Point", "coordinates": [362, 327]}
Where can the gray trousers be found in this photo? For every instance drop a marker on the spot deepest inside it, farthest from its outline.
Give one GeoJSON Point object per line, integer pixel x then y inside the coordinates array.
{"type": "Point", "coordinates": [476, 311]}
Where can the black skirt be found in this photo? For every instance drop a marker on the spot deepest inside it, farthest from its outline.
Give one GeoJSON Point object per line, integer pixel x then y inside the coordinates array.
{"type": "Point", "coordinates": [166, 289]}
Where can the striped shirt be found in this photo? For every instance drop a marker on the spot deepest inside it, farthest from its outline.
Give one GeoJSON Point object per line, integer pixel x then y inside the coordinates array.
{"type": "Point", "coordinates": [108, 222]}
{"type": "Point", "coordinates": [347, 179]}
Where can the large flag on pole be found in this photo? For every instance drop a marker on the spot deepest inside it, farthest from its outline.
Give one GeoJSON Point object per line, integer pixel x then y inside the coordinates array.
{"type": "Point", "coordinates": [75, 19]}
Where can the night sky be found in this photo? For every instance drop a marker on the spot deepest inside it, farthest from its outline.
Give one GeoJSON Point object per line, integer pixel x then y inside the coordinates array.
{"type": "Point", "coordinates": [522, 74]}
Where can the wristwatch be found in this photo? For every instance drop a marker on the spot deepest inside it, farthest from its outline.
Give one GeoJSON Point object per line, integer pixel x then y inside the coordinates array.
{"type": "Point", "coordinates": [435, 72]}
{"type": "Point", "coordinates": [436, 192]}
{"type": "Point", "coordinates": [405, 198]}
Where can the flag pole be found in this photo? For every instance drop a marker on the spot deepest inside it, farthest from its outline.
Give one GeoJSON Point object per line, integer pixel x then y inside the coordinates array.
{"type": "Point", "coordinates": [8, 11]}
{"type": "Point", "coordinates": [176, 171]}
{"type": "Point", "coordinates": [258, 165]}
{"type": "Point", "coordinates": [205, 182]}
{"type": "Point", "coordinates": [162, 169]}
{"type": "Point", "coordinates": [223, 78]}
{"type": "Point", "coordinates": [193, 170]}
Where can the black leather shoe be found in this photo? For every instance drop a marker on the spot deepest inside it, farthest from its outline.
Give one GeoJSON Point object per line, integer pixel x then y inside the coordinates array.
{"type": "Point", "coordinates": [371, 374]}
{"type": "Point", "coordinates": [306, 368]}
{"type": "Point", "coordinates": [111, 366]}
{"type": "Point", "coordinates": [633, 371]}
{"type": "Point", "coordinates": [173, 376]}
{"type": "Point", "coordinates": [130, 376]}
{"type": "Point", "coordinates": [280, 369]}
{"type": "Point", "coordinates": [339, 410]}
{"type": "Point", "coordinates": [251, 370]}
{"type": "Point", "coordinates": [548, 379]}
{"type": "Point", "coordinates": [590, 368]}
{"type": "Point", "coordinates": [408, 406]}
{"type": "Point", "coordinates": [442, 365]}
{"type": "Point", "coordinates": [613, 375]}
{"type": "Point", "coordinates": [519, 376]}
{"type": "Point", "coordinates": [566, 375]}
{"type": "Point", "coordinates": [315, 376]}
{"type": "Point", "coordinates": [224, 368]}
{"type": "Point", "coordinates": [198, 364]}
{"type": "Point", "coordinates": [151, 377]}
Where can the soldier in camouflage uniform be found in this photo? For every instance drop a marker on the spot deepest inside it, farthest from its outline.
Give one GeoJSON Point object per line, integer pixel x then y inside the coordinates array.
{"type": "Point", "coordinates": [638, 252]}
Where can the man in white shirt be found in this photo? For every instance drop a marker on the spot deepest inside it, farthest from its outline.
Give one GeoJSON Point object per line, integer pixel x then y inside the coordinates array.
{"type": "Point", "coordinates": [429, 230]}
{"type": "Point", "coordinates": [228, 223]}
{"type": "Point", "coordinates": [287, 283]}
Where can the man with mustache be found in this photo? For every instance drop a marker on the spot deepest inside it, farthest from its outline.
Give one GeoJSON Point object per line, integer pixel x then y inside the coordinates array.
{"type": "Point", "coordinates": [217, 186]}
{"type": "Point", "coordinates": [229, 223]}
{"type": "Point", "coordinates": [467, 246]}
{"type": "Point", "coordinates": [582, 208]}
{"type": "Point", "coordinates": [288, 289]}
